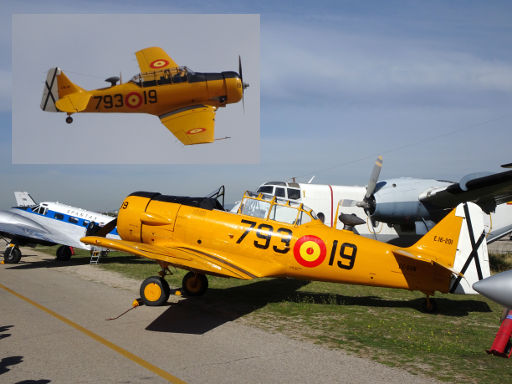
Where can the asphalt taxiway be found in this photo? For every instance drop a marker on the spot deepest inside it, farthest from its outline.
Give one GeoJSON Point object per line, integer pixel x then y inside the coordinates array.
{"type": "Point", "coordinates": [53, 329]}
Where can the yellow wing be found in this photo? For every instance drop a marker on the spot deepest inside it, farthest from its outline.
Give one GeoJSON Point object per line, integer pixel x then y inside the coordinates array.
{"type": "Point", "coordinates": [185, 257]}
{"type": "Point", "coordinates": [191, 125]}
{"type": "Point", "coordinates": [154, 58]}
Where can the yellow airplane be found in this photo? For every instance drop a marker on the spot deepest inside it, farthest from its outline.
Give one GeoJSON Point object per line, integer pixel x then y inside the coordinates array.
{"type": "Point", "coordinates": [269, 237]}
{"type": "Point", "coordinates": [185, 101]}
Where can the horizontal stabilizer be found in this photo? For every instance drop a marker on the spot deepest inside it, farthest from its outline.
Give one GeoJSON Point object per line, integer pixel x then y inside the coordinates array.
{"type": "Point", "coordinates": [74, 102]}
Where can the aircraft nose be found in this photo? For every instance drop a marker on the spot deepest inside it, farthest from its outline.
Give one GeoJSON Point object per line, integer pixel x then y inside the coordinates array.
{"type": "Point", "coordinates": [497, 288]}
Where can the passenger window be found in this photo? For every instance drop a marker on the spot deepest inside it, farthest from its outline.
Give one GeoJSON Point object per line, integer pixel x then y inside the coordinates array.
{"type": "Point", "coordinates": [280, 192]}
{"type": "Point", "coordinates": [293, 194]}
{"type": "Point", "coordinates": [284, 214]}
{"type": "Point", "coordinates": [73, 220]}
{"type": "Point", "coordinates": [255, 208]}
{"type": "Point", "coordinates": [85, 223]}
{"type": "Point", "coordinates": [59, 216]}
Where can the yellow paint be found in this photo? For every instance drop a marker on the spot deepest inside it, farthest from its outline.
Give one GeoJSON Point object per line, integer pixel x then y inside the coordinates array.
{"type": "Point", "coordinates": [185, 102]}
{"type": "Point", "coordinates": [274, 244]}
{"type": "Point", "coordinates": [160, 372]}
{"type": "Point", "coordinates": [152, 292]}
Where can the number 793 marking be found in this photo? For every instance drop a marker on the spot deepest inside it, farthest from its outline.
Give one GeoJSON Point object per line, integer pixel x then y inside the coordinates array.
{"type": "Point", "coordinates": [265, 233]}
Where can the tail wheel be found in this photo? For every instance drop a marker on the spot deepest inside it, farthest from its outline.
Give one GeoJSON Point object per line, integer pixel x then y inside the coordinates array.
{"type": "Point", "coordinates": [154, 291]}
{"type": "Point", "coordinates": [12, 255]}
{"type": "Point", "coordinates": [64, 253]}
{"type": "Point", "coordinates": [429, 305]}
{"type": "Point", "coordinates": [194, 284]}
{"type": "Point", "coordinates": [69, 119]}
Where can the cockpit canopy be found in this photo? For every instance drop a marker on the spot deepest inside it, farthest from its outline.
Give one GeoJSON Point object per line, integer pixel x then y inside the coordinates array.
{"type": "Point", "coordinates": [265, 206]}
{"type": "Point", "coordinates": [289, 191]}
{"type": "Point", "coordinates": [162, 76]}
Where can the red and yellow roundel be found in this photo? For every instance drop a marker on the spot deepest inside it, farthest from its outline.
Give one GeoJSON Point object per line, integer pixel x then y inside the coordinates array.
{"type": "Point", "coordinates": [159, 63]}
{"type": "Point", "coordinates": [133, 100]}
{"type": "Point", "coordinates": [195, 131]}
{"type": "Point", "coordinates": [309, 251]}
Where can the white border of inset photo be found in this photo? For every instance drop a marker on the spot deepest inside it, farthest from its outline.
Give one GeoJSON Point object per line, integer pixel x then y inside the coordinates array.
{"type": "Point", "coordinates": [90, 48]}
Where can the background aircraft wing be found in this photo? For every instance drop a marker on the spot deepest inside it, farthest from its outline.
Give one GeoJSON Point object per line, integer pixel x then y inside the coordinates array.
{"type": "Point", "coordinates": [13, 225]}
{"type": "Point", "coordinates": [183, 256]}
{"type": "Point", "coordinates": [191, 125]}
{"type": "Point", "coordinates": [154, 58]}
{"type": "Point", "coordinates": [485, 190]}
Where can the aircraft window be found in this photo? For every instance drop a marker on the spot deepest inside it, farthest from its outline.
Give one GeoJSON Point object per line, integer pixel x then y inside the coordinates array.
{"type": "Point", "coordinates": [255, 208]}
{"type": "Point", "coordinates": [85, 223]}
{"type": "Point", "coordinates": [36, 209]}
{"type": "Point", "coordinates": [58, 216]}
{"type": "Point", "coordinates": [293, 194]}
{"type": "Point", "coordinates": [280, 192]}
{"type": "Point", "coordinates": [266, 189]}
{"type": "Point", "coordinates": [304, 218]}
{"type": "Point", "coordinates": [283, 214]}
{"type": "Point", "coordinates": [73, 220]}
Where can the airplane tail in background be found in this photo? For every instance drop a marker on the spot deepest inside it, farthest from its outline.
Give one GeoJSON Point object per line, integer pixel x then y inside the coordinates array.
{"type": "Point", "coordinates": [457, 243]}
{"type": "Point", "coordinates": [62, 95]}
{"type": "Point", "coordinates": [23, 199]}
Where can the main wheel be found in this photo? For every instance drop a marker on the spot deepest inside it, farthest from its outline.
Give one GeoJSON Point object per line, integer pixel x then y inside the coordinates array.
{"type": "Point", "coordinates": [194, 284]}
{"type": "Point", "coordinates": [69, 119]}
{"type": "Point", "coordinates": [12, 255]}
{"type": "Point", "coordinates": [154, 291]}
{"type": "Point", "coordinates": [63, 253]}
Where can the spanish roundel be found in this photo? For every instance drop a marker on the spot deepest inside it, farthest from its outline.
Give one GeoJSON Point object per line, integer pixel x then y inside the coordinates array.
{"type": "Point", "coordinates": [309, 251]}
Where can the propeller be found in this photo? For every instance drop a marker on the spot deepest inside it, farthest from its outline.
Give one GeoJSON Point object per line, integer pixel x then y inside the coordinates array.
{"type": "Point", "coordinates": [368, 199]}
{"type": "Point", "coordinates": [244, 85]}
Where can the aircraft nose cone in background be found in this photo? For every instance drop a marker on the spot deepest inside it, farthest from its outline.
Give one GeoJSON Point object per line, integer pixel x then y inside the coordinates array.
{"type": "Point", "coordinates": [497, 288]}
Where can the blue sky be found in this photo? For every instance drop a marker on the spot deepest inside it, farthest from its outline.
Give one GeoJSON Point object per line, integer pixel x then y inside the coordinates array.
{"type": "Point", "coordinates": [426, 84]}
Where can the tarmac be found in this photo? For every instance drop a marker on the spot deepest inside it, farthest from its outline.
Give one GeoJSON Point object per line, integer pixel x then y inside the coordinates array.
{"type": "Point", "coordinates": [53, 329]}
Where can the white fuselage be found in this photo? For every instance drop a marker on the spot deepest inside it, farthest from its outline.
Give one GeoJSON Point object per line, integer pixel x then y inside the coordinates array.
{"type": "Point", "coordinates": [327, 199]}
{"type": "Point", "coordinates": [52, 222]}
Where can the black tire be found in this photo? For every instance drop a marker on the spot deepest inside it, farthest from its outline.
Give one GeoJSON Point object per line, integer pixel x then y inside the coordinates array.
{"type": "Point", "coordinates": [69, 119]}
{"type": "Point", "coordinates": [64, 253]}
{"type": "Point", "coordinates": [12, 255]}
{"type": "Point", "coordinates": [194, 284]}
{"type": "Point", "coordinates": [154, 291]}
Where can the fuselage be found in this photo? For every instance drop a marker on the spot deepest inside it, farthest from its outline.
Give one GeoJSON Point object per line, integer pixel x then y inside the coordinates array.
{"type": "Point", "coordinates": [287, 235]}
{"type": "Point", "coordinates": [162, 91]}
{"type": "Point", "coordinates": [51, 222]}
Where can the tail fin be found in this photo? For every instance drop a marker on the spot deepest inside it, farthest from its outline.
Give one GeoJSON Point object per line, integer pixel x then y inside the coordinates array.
{"type": "Point", "coordinates": [61, 95]}
{"type": "Point", "coordinates": [456, 243]}
{"type": "Point", "coordinates": [23, 199]}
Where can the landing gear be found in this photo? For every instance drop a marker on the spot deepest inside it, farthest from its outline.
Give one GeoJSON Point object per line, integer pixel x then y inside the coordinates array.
{"type": "Point", "coordinates": [12, 254]}
{"type": "Point", "coordinates": [194, 284]}
{"type": "Point", "coordinates": [430, 305]}
{"type": "Point", "coordinates": [64, 253]}
{"type": "Point", "coordinates": [154, 291]}
{"type": "Point", "coordinates": [69, 119]}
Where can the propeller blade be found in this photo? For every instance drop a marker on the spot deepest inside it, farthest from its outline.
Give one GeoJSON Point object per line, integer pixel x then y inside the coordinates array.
{"type": "Point", "coordinates": [374, 178]}
{"type": "Point", "coordinates": [244, 85]}
{"type": "Point", "coordinates": [102, 231]}
{"type": "Point", "coordinates": [349, 203]}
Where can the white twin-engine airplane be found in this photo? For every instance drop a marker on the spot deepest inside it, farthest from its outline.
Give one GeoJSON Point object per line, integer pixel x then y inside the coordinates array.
{"type": "Point", "coordinates": [47, 223]}
{"type": "Point", "coordinates": [401, 210]}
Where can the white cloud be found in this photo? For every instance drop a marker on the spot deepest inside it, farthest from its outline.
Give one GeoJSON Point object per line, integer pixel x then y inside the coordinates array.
{"type": "Point", "coordinates": [299, 64]}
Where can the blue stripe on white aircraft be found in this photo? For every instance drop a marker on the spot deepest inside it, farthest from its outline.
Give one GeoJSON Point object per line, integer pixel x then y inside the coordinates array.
{"type": "Point", "coordinates": [47, 223]}
{"type": "Point", "coordinates": [403, 208]}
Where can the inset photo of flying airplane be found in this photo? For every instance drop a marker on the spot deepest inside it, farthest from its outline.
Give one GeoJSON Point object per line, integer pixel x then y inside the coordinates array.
{"type": "Point", "coordinates": [111, 88]}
